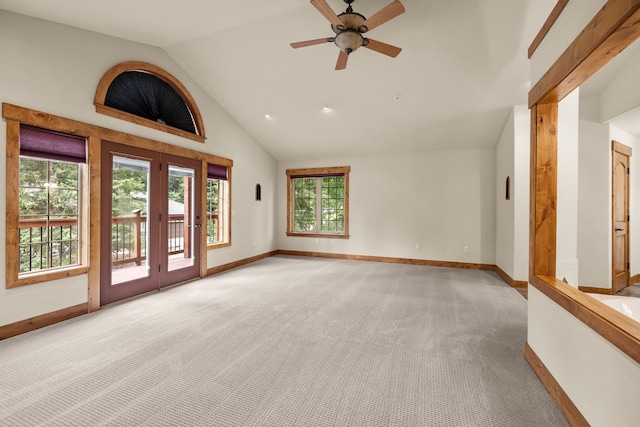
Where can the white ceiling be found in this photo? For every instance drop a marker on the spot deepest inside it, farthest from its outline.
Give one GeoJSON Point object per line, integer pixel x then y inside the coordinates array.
{"type": "Point", "coordinates": [463, 66]}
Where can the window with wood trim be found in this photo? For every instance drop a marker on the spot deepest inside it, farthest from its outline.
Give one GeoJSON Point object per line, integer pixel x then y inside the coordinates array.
{"type": "Point", "coordinates": [217, 206]}
{"type": "Point", "coordinates": [318, 202]}
{"type": "Point", "coordinates": [147, 95]}
{"type": "Point", "coordinates": [49, 230]}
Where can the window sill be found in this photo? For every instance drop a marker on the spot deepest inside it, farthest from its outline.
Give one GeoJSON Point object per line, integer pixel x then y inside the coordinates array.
{"type": "Point", "coordinates": [211, 246]}
{"type": "Point", "coordinates": [318, 235]}
{"type": "Point", "coordinates": [46, 276]}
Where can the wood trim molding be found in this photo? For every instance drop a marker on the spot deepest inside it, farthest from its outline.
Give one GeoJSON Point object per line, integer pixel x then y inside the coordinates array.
{"type": "Point", "coordinates": [423, 262]}
{"type": "Point", "coordinates": [634, 279]}
{"type": "Point", "coordinates": [94, 160]}
{"type": "Point", "coordinates": [619, 147]}
{"type": "Point", "coordinates": [115, 71]}
{"type": "Point", "coordinates": [239, 263]}
{"type": "Point", "coordinates": [38, 322]}
{"type": "Point", "coordinates": [548, 24]}
{"type": "Point", "coordinates": [615, 327]}
{"type": "Point", "coordinates": [567, 406]}
{"type": "Point", "coordinates": [518, 284]}
{"type": "Point", "coordinates": [593, 290]}
{"type": "Point", "coordinates": [12, 262]}
{"type": "Point", "coordinates": [50, 121]}
{"type": "Point", "coordinates": [612, 29]}
{"type": "Point", "coordinates": [318, 172]}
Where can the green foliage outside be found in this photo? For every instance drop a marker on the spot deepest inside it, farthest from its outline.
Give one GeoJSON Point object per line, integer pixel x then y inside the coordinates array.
{"type": "Point", "coordinates": [129, 193]}
{"type": "Point", "coordinates": [48, 194]}
{"type": "Point", "coordinates": [331, 204]}
{"type": "Point", "coordinates": [213, 190]}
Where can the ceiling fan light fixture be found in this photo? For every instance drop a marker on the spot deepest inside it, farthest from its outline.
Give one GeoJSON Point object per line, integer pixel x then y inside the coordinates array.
{"type": "Point", "coordinates": [349, 40]}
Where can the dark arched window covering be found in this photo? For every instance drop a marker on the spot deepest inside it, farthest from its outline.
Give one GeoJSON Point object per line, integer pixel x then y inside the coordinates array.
{"type": "Point", "coordinates": [147, 96]}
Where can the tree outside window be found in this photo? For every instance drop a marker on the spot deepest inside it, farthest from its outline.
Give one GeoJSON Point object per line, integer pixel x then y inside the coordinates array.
{"type": "Point", "coordinates": [318, 202]}
{"type": "Point", "coordinates": [49, 206]}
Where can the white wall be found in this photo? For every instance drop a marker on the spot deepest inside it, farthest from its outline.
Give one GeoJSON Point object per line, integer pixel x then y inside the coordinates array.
{"type": "Point", "coordinates": [56, 69]}
{"type": "Point", "coordinates": [441, 200]}
{"type": "Point", "coordinates": [505, 209]}
{"type": "Point", "coordinates": [601, 381]}
{"type": "Point", "coordinates": [567, 205]}
{"type": "Point", "coordinates": [512, 216]}
{"type": "Point", "coordinates": [594, 218]}
{"type": "Point", "coordinates": [521, 191]}
{"type": "Point", "coordinates": [623, 92]}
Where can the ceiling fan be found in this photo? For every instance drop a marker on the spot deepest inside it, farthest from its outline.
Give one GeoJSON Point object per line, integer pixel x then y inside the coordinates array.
{"type": "Point", "coordinates": [350, 26]}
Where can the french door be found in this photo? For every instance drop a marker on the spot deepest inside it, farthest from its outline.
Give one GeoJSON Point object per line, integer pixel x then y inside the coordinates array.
{"type": "Point", "coordinates": [150, 221]}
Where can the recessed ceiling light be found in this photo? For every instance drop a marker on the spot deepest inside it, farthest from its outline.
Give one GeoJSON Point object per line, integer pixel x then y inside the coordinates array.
{"type": "Point", "coordinates": [397, 98]}
{"type": "Point", "coordinates": [326, 108]}
{"type": "Point", "coordinates": [267, 116]}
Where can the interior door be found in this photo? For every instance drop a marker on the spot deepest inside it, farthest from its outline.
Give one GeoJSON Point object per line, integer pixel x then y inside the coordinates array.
{"type": "Point", "coordinates": [150, 223]}
{"type": "Point", "coordinates": [620, 216]}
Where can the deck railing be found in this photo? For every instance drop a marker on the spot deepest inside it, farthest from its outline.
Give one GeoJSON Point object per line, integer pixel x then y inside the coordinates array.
{"type": "Point", "coordinates": [61, 247]}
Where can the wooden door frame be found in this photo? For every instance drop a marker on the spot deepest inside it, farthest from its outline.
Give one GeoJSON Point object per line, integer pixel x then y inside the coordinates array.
{"type": "Point", "coordinates": [614, 27]}
{"type": "Point", "coordinates": [110, 149]}
{"type": "Point", "coordinates": [624, 150]}
{"type": "Point", "coordinates": [95, 135]}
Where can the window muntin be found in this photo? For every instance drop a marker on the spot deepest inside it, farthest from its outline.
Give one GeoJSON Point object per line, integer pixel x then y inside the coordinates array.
{"type": "Point", "coordinates": [318, 202]}
{"type": "Point", "coordinates": [49, 214]}
{"type": "Point", "coordinates": [217, 211]}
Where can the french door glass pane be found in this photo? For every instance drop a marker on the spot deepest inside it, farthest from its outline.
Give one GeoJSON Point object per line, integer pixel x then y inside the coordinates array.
{"type": "Point", "coordinates": [180, 224]}
{"type": "Point", "coordinates": [129, 219]}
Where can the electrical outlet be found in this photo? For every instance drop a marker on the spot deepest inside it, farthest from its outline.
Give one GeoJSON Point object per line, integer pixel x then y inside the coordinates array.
{"type": "Point", "coordinates": [418, 246]}
{"type": "Point", "coordinates": [466, 249]}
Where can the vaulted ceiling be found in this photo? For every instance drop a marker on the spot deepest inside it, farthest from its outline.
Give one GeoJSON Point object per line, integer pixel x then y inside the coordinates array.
{"type": "Point", "coordinates": [462, 67]}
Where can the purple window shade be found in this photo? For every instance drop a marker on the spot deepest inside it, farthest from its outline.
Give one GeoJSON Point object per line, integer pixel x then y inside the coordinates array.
{"type": "Point", "coordinates": [216, 171]}
{"type": "Point", "coordinates": [35, 142]}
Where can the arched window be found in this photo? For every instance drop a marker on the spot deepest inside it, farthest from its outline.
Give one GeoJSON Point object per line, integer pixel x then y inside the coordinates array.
{"type": "Point", "coordinates": [147, 95]}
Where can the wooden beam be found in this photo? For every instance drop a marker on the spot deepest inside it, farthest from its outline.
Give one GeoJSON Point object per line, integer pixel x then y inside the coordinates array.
{"type": "Point", "coordinates": [553, 17]}
{"type": "Point", "coordinates": [613, 28]}
{"type": "Point", "coordinates": [544, 171]}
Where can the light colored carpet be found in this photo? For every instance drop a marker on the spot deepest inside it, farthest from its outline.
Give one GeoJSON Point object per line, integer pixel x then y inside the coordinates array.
{"type": "Point", "coordinates": [287, 342]}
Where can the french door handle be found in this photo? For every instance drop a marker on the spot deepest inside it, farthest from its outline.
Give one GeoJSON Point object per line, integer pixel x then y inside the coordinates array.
{"type": "Point", "coordinates": [197, 225]}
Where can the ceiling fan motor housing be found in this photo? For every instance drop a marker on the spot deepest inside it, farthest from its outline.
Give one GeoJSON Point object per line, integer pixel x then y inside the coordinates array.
{"type": "Point", "coordinates": [350, 39]}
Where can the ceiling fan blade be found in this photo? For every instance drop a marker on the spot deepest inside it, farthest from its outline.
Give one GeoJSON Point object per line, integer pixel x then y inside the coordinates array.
{"type": "Point", "coordinates": [310, 42]}
{"type": "Point", "coordinates": [383, 48]}
{"type": "Point", "coordinates": [385, 14]}
{"type": "Point", "coordinates": [328, 13]}
{"type": "Point", "coordinates": [342, 61]}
